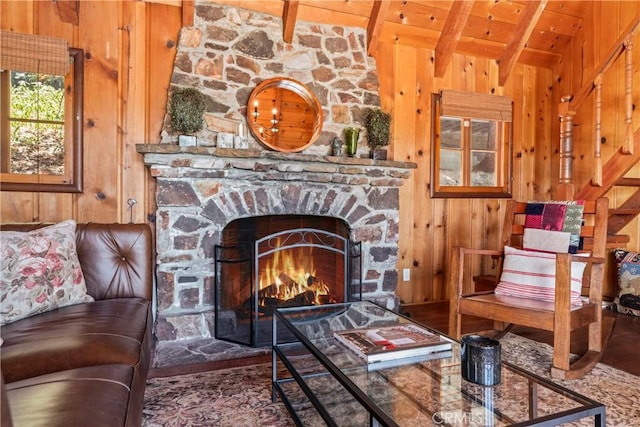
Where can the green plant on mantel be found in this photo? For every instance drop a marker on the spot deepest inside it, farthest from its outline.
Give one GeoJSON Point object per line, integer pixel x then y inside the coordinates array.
{"type": "Point", "coordinates": [186, 108]}
{"type": "Point", "coordinates": [378, 125]}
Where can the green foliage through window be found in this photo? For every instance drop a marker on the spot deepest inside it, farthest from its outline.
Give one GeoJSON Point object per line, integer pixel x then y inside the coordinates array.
{"type": "Point", "coordinates": [36, 118]}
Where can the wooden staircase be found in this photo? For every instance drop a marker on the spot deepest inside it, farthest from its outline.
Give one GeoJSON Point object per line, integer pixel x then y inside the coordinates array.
{"type": "Point", "coordinates": [613, 175]}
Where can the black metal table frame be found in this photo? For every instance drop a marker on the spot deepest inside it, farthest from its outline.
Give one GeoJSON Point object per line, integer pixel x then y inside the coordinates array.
{"type": "Point", "coordinates": [591, 408]}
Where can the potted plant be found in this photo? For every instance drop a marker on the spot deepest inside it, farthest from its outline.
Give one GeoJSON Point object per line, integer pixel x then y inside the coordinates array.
{"type": "Point", "coordinates": [186, 109]}
{"type": "Point", "coordinates": [378, 125]}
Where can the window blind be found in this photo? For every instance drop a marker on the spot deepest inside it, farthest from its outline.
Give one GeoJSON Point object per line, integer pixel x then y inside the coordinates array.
{"type": "Point", "coordinates": [476, 105]}
{"type": "Point", "coordinates": [33, 53]}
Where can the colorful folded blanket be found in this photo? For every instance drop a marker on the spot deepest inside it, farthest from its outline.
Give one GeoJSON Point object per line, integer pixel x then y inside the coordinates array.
{"type": "Point", "coordinates": [557, 216]}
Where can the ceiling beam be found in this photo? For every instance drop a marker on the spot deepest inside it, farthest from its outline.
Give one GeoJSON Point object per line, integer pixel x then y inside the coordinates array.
{"type": "Point", "coordinates": [519, 38]}
{"type": "Point", "coordinates": [376, 21]}
{"type": "Point", "coordinates": [289, 16]}
{"type": "Point", "coordinates": [451, 32]}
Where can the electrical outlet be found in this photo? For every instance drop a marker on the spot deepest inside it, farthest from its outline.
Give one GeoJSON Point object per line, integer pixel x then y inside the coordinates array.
{"type": "Point", "coordinates": [406, 275]}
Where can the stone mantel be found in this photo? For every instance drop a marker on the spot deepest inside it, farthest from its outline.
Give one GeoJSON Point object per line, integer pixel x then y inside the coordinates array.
{"type": "Point", "coordinates": [230, 153]}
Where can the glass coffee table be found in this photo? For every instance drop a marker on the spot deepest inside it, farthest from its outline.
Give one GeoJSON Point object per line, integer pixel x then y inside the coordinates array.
{"type": "Point", "coordinates": [322, 382]}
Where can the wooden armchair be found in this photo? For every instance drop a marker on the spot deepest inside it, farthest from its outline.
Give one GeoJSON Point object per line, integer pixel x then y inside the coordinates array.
{"type": "Point", "coordinates": [559, 316]}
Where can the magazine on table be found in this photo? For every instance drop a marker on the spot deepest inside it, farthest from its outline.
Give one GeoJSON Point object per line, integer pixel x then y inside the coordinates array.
{"type": "Point", "coordinates": [384, 343]}
{"type": "Point", "coordinates": [401, 361]}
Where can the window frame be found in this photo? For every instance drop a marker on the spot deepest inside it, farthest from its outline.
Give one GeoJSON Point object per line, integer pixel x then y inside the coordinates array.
{"type": "Point", "coordinates": [504, 179]}
{"type": "Point", "coordinates": [72, 180]}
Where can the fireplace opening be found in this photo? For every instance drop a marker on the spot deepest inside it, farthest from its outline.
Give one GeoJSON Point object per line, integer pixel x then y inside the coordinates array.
{"type": "Point", "coordinates": [266, 262]}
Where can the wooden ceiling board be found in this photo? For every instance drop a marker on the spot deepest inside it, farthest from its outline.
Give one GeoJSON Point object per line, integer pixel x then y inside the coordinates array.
{"type": "Point", "coordinates": [418, 23]}
{"type": "Point", "coordinates": [415, 14]}
{"type": "Point", "coordinates": [575, 8]}
{"type": "Point", "coordinates": [426, 39]}
{"type": "Point", "coordinates": [558, 23]}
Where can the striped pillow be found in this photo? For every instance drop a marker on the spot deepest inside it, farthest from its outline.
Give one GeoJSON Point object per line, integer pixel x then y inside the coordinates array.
{"type": "Point", "coordinates": [530, 274]}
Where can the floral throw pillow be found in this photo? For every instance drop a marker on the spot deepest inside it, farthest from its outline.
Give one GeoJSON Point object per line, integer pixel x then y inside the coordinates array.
{"type": "Point", "coordinates": [628, 299]}
{"type": "Point", "coordinates": [39, 271]}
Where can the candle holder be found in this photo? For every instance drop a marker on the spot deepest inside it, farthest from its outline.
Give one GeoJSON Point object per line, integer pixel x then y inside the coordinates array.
{"type": "Point", "coordinates": [480, 360]}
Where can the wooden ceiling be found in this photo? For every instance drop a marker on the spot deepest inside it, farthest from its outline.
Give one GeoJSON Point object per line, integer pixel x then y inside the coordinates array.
{"type": "Point", "coordinates": [532, 32]}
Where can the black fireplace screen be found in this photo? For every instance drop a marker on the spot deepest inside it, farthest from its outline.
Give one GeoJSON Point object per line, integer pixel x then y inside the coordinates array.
{"type": "Point", "coordinates": [287, 268]}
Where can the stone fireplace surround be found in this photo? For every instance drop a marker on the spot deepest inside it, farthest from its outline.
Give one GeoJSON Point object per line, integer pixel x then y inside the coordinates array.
{"type": "Point", "coordinates": [199, 190]}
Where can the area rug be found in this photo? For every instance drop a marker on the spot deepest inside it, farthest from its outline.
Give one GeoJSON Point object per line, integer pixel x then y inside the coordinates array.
{"type": "Point", "coordinates": [241, 397]}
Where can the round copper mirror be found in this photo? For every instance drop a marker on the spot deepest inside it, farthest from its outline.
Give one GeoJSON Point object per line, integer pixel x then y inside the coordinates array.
{"type": "Point", "coordinates": [284, 115]}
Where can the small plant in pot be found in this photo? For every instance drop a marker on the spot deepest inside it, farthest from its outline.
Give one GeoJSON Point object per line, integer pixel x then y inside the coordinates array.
{"type": "Point", "coordinates": [186, 109]}
{"type": "Point", "coordinates": [378, 125]}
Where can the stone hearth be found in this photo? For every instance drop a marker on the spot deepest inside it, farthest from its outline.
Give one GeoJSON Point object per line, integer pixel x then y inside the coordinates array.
{"type": "Point", "coordinates": [201, 189]}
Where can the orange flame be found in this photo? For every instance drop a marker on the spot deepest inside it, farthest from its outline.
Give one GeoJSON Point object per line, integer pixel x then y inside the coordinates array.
{"type": "Point", "coordinates": [288, 275]}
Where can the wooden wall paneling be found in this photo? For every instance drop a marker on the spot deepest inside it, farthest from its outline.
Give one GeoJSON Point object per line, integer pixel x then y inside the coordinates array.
{"type": "Point", "coordinates": [99, 36]}
{"type": "Point", "coordinates": [423, 260]}
{"type": "Point", "coordinates": [17, 15]}
{"type": "Point", "coordinates": [161, 52]}
{"type": "Point", "coordinates": [47, 22]}
{"type": "Point", "coordinates": [524, 89]}
{"type": "Point", "coordinates": [521, 181]}
{"type": "Point", "coordinates": [17, 206]}
{"type": "Point", "coordinates": [543, 138]}
{"type": "Point", "coordinates": [441, 249]}
{"type": "Point", "coordinates": [54, 207]}
{"type": "Point", "coordinates": [404, 107]}
{"type": "Point", "coordinates": [459, 232]}
{"type": "Point", "coordinates": [132, 94]}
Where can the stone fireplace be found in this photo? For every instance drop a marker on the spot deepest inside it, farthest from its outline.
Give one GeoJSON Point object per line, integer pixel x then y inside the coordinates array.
{"type": "Point", "coordinates": [201, 190]}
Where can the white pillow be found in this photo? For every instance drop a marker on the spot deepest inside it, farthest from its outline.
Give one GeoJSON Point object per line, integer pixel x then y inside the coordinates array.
{"type": "Point", "coordinates": [39, 271]}
{"type": "Point", "coordinates": [530, 274]}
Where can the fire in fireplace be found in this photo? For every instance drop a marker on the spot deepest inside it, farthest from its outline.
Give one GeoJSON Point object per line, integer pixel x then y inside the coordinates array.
{"type": "Point", "coordinates": [280, 261]}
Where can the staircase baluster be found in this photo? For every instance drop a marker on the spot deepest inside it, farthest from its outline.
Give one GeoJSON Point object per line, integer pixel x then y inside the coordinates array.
{"type": "Point", "coordinates": [628, 121]}
{"type": "Point", "coordinates": [566, 148]}
{"type": "Point", "coordinates": [597, 173]}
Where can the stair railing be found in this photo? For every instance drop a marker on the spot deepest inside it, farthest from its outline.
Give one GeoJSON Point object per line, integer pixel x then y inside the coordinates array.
{"type": "Point", "coordinates": [570, 104]}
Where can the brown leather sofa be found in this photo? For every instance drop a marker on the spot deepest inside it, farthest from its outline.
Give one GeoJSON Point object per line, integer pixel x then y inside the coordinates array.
{"type": "Point", "coordinates": [86, 364]}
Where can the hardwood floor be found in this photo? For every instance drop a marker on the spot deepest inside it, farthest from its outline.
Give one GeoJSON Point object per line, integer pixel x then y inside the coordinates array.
{"type": "Point", "coordinates": [620, 352]}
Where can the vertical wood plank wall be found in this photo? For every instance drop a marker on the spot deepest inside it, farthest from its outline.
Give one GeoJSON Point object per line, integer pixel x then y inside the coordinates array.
{"type": "Point", "coordinates": [130, 49]}
{"type": "Point", "coordinates": [129, 52]}
{"type": "Point", "coordinates": [429, 227]}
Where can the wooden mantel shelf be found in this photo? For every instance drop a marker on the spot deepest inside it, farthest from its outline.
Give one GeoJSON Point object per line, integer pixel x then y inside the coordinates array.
{"type": "Point", "coordinates": [269, 155]}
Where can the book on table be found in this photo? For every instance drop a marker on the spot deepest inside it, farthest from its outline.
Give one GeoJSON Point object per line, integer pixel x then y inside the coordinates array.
{"type": "Point", "coordinates": [384, 343]}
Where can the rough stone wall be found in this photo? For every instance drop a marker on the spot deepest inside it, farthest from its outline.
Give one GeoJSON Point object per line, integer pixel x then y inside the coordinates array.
{"type": "Point", "coordinates": [198, 194]}
{"type": "Point", "coordinates": [230, 50]}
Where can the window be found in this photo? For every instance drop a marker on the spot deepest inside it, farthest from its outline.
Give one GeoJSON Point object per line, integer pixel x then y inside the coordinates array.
{"type": "Point", "coordinates": [40, 119]}
{"type": "Point", "coordinates": [471, 145]}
